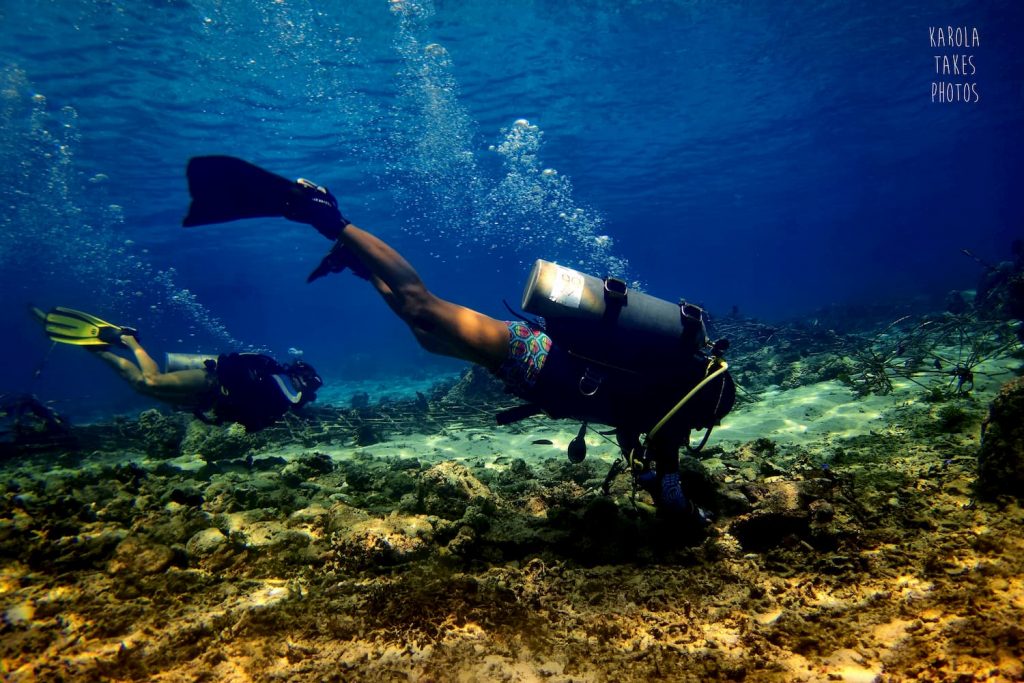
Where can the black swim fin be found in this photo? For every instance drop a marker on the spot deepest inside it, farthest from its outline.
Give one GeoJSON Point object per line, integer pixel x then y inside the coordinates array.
{"type": "Point", "coordinates": [227, 189]}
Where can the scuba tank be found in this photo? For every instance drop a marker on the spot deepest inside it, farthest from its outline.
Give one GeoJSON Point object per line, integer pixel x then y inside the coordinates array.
{"type": "Point", "coordinates": [606, 322]}
{"type": "Point", "coordinates": [188, 361]}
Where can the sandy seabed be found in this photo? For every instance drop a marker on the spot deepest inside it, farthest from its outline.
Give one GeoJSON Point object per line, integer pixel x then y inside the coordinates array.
{"type": "Point", "coordinates": [846, 546]}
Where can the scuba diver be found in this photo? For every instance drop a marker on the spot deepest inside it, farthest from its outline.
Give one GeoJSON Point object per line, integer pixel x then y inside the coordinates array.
{"type": "Point", "coordinates": [604, 354]}
{"type": "Point", "coordinates": [249, 388]}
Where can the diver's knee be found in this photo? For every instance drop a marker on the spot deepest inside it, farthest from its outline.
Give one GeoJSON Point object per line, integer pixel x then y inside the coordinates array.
{"type": "Point", "coordinates": [428, 341]}
{"type": "Point", "coordinates": [138, 384]}
{"type": "Point", "coordinates": [418, 309]}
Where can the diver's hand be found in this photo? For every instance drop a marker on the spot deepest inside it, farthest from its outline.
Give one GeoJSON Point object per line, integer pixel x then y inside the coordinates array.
{"type": "Point", "coordinates": [316, 206]}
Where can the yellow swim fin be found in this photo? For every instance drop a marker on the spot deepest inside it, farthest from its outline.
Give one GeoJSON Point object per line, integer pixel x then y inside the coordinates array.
{"type": "Point", "coordinates": [69, 326]}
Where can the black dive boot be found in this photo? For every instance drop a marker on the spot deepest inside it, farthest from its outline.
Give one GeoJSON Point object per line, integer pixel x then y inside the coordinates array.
{"type": "Point", "coordinates": [315, 205]}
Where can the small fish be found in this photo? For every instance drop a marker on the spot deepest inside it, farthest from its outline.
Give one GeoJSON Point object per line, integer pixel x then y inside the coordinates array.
{"type": "Point", "coordinates": [543, 442]}
{"type": "Point", "coordinates": [938, 364]}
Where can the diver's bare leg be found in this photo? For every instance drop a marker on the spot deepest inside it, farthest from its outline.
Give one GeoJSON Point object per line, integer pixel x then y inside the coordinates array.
{"type": "Point", "coordinates": [432, 343]}
{"type": "Point", "coordinates": [124, 367]}
{"type": "Point", "coordinates": [146, 363]}
{"type": "Point", "coordinates": [440, 326]}
{"type": "Point", "coordinates": [166, 384]}
{"type": "Point", "coordinates": [146, 378]}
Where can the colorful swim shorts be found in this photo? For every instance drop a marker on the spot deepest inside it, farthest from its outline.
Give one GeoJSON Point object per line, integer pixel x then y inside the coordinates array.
{"type": "Point", "coordinates": [528, 348]}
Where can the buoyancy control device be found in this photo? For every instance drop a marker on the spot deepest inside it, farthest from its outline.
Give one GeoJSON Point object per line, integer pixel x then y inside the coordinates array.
{"type": "Point", "coordinates": [625, 358]}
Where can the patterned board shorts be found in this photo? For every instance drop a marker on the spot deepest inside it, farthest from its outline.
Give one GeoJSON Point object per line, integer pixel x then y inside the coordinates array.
{"type": "Point", "coordinates": [528, 348]}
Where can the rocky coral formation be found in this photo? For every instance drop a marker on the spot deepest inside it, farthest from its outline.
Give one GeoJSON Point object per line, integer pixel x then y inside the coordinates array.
{"type": "Point", "coordinates": [162, 434]}
{"type": "Point", "coordinates": [1001, 457]}
{"type": "Point", "coordinates": [448, 488]}
{"type": "Point", "coordinates": [219, 442]}
{"type": "Point", "coordinates": [476, 385]}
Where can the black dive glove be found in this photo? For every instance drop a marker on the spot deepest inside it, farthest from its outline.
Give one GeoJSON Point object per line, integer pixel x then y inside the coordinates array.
{"type": "Point", "coordinates": [315, 205]}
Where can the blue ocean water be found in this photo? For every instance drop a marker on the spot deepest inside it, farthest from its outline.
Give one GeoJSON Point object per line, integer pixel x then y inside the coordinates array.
{"type": "Point", "coordinates": [769, 157]}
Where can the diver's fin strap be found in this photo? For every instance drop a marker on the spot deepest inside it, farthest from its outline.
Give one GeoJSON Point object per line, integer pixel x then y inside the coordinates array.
{"type": "Point", "coordinates": [517, 413]}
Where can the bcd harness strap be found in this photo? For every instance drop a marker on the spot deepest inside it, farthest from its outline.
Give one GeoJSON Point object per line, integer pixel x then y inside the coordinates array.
{"type": "Point", "coordinates": [691, 316]}
{"type": "Point", "coordinates": [615, 298]}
